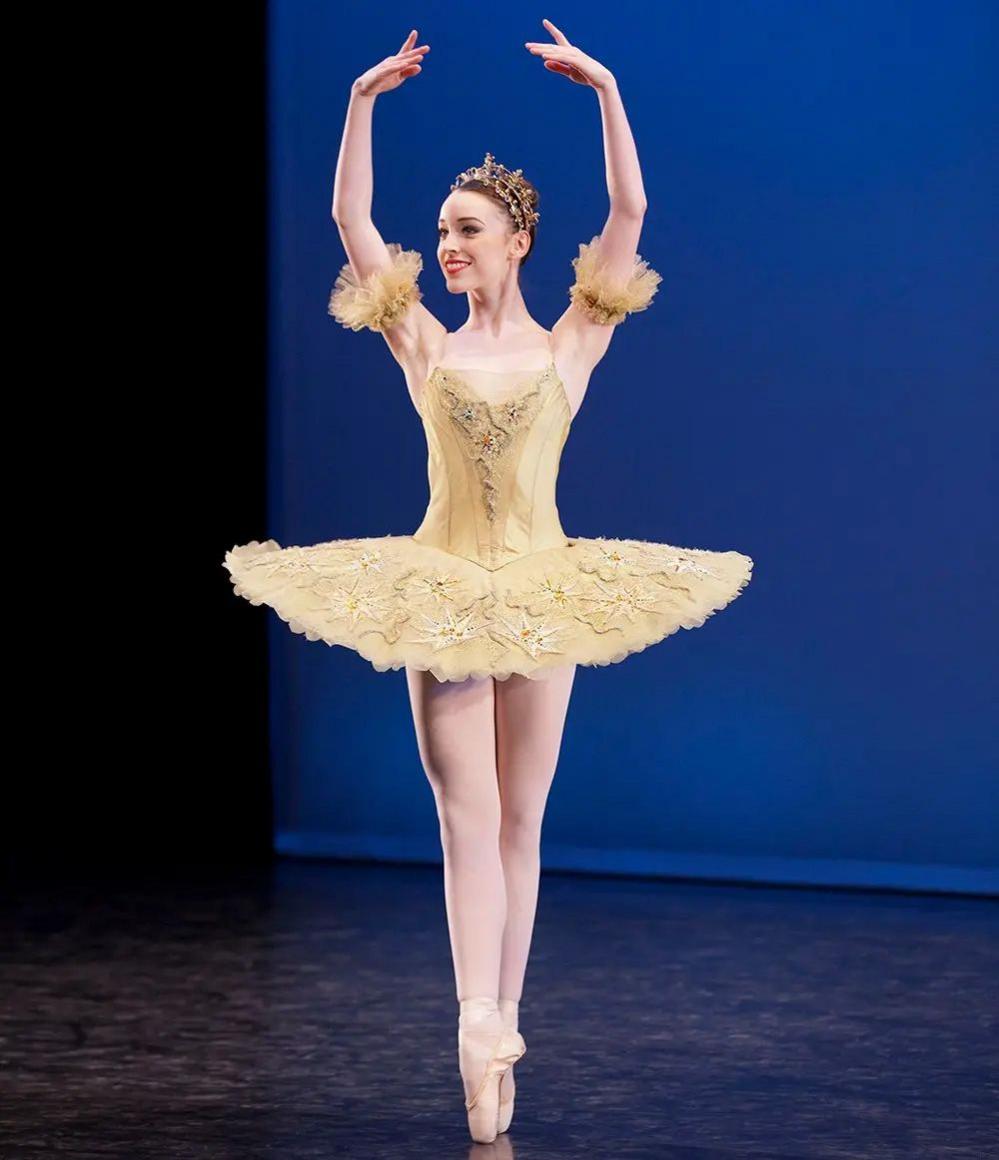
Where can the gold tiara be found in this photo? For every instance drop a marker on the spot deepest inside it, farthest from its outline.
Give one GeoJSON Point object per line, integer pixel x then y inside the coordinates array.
{"type": "Point", "coordinates": [508, 184]}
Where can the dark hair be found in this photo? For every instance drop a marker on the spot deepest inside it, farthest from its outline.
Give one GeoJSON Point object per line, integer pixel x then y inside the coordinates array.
{"type": "Point", "coordinates": [533, 199]}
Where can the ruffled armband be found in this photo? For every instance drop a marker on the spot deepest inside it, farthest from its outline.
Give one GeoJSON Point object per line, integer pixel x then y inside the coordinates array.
{"type": "Point", "coordinates": [381, 299]}
{"type": "Point", "coordinates": [608, 300]}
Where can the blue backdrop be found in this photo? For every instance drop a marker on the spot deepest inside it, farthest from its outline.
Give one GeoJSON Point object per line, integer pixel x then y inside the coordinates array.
{"type": "Point", "coordinates": [811, 387]}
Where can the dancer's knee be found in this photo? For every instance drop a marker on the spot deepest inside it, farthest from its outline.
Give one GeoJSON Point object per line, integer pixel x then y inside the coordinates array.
{"type": "Point", "coordinates": [467, 820]}
{"type": "Point", "coordinates": [520, 829]}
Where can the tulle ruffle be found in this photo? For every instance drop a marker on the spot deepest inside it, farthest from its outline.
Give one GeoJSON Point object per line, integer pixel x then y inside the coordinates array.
{"type": "Point", "coordinates": [608, 300]}
{"type": "Point", "coordinates": [381, 299]}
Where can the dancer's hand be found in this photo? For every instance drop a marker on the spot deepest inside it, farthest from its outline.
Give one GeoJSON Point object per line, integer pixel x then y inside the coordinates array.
{"type": "Point", "coordinates": [563, 57]}
{"type": "Point", "coordinates": [393, 70]}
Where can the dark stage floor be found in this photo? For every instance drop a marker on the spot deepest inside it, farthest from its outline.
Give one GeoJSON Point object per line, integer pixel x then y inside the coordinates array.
{"type": "Point", "coordinates": [309, 1011]}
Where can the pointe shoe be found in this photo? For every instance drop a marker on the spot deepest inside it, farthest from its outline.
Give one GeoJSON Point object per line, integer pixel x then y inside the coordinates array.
{"type": "Point", "coordinates": [487, 1049]}
{"type": "Point", "coordinates": [509, 1009]}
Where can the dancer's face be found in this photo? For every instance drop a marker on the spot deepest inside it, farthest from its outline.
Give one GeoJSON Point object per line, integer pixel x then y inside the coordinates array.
{"type": "Point", "coordinates": [474, 230]}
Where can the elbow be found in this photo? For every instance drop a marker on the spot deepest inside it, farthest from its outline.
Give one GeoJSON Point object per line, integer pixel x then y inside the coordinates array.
{"type": "Point", "coordinates": [635, 210]}
{"type": "Point", "coordinates": [347, 221]}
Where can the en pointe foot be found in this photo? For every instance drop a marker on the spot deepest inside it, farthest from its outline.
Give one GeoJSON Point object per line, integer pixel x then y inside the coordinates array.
{"type": "Point", "coordinates": [487, 1049]}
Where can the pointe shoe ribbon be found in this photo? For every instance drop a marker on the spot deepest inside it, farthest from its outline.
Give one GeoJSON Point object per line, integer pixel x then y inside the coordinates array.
{"type": "Point", "coordinates": [509, 1048]}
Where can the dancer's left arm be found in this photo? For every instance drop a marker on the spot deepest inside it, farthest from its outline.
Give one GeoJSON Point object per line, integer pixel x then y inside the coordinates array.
{"type": "Point", "coordinates": [584, 331]}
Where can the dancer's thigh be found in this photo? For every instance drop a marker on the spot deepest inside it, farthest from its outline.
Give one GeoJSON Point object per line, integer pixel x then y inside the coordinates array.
{"type": "Point", "coordinates": [456, 736]}
{"type": "Point", "coordinates": [530, 719]}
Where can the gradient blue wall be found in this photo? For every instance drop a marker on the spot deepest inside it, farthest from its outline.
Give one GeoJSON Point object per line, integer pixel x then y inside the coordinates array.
{"type": "Point", "coordinates": [813, 386]}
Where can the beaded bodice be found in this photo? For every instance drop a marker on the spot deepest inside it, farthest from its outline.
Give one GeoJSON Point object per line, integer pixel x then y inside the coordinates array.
{"type": "Point", "coordinates": [494, 441]}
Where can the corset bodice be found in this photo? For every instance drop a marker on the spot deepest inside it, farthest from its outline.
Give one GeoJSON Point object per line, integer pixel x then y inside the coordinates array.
{"type": "Point", "coordinates": [494, 441]}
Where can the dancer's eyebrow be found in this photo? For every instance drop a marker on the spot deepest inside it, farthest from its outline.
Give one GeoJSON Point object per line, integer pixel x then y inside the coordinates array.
{"type": "Point", "coordinates": [465, 219]}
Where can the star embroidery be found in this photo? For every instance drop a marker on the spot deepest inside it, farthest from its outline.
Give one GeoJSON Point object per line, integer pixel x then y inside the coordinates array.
{"type": "Point", "coordinates": [559, 592]}
{"type": "Point", "coordinates": [624, 600]}
{"type": "Point", "coordinates": [440, 585]}
{"type": "Point", "coordinates": [534, 639]}
{"type": "Point", "coordinates": [447, 629]}
{"type": "Point", "coordinates": [354, 603]}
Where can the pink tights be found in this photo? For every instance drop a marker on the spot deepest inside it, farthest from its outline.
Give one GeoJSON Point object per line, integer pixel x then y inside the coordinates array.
{"type": "Point", "coordinates": [489, 749]}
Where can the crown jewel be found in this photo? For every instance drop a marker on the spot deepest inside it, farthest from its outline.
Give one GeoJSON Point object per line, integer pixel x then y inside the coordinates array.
{"type": "Point", "coordinates": [508, 184]}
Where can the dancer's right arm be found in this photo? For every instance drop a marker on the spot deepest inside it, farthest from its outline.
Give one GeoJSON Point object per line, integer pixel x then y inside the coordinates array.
{"type": "Point", "coordinates": [378, 289]}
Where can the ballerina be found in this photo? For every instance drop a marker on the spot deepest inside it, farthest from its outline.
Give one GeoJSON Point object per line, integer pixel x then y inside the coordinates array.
{"type": "Point", "coordinates": [489, 605]}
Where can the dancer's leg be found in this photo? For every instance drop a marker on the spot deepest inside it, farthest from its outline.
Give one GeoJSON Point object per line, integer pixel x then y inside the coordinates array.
{"type": "Point", "coordinates": [455, 731]}
{"type": "Point", "coordinates": [530, 716]}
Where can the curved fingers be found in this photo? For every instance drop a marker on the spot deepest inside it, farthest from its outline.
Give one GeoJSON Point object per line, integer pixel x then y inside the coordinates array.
{"type": "Point", "coordinates": [559, 37]}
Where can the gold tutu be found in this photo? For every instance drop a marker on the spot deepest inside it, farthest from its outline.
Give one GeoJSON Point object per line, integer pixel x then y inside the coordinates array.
{"type": "Point", "coordinates": [398, 602]}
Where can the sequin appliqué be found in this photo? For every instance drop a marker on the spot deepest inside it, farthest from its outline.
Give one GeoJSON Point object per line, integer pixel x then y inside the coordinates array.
{"type": "Point", "coordinates": [490, 432]}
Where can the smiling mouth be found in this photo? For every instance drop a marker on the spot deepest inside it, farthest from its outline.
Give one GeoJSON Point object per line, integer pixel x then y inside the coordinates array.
{"type": "Point", "coordinates": [454, 267]}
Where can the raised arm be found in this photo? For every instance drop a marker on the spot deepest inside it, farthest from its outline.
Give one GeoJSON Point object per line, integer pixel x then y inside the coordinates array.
{"type": "Point", "coordinates": [378, 288]}
{"type": "Point", "coordinates": [612, 281]}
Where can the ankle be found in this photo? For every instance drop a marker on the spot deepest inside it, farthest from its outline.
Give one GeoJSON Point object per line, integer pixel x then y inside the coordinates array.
{"type": "Point", "coordinates": [510, 1010]}
{"type": "Point", "coordinates": [476, 1008]}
